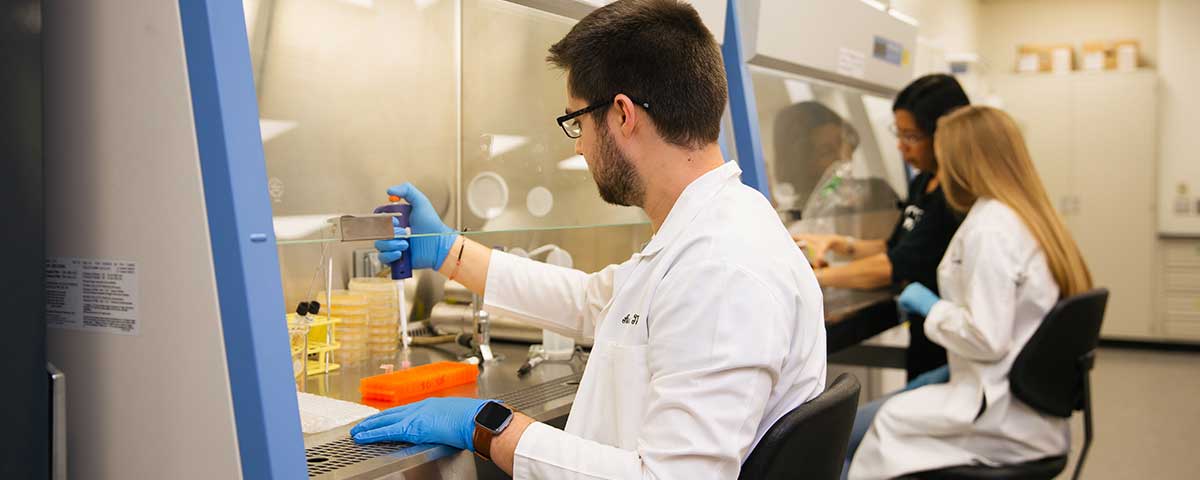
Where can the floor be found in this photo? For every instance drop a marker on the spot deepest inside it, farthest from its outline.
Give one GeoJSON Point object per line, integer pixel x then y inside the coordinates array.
{"type": "Point", "coordinates": [1146, 416]}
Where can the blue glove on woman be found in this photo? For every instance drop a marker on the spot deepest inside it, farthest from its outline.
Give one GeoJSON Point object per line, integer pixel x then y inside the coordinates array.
{"type": "Point", "coordinates": [446, 421]}
{"type": "Point", "coordinates": [427, 251]}
{"type": "Point", "coordinates": [917, 299]}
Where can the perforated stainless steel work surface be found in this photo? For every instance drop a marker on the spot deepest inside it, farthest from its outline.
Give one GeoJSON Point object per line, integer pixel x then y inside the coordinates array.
{"type": "Point", "coordinates": [528, 398]}
{"type": "Point", "coordinates": [344, 452]}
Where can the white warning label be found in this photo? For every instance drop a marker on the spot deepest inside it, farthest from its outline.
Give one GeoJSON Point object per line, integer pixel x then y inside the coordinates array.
{"type": "Point", "coordinates": [92, 294]}
{"type": "Point", "coordinates": [852, 63]}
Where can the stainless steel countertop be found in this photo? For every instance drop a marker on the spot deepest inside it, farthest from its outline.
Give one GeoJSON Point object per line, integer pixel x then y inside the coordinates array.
{"type": "Point", "coordinates": [429, 461]}
{"type": "Point", "coordinates": [842, 304]}
{"type": "Point", "coordinates": [843, 312]}
{"type": "Point", "coordinates": [495, 379]}
{"type": "Point", "coordinates": [852, 316]}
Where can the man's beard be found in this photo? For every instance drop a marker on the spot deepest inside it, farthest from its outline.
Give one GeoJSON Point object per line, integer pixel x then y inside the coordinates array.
{"type": "Point", "coordinates": [615, 176]}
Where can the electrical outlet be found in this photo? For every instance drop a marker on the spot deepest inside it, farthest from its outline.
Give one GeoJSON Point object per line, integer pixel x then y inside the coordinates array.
{"type": "Point", "coordinates": [1069, 205]}
{"type": "Point", "coordinates": [1065, 205]}
{"type": "Point", "coordinates": [1181, 205]}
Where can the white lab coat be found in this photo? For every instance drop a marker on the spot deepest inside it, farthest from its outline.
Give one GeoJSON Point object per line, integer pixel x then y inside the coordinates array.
{"type": "Point", "coordinates": [701, 341]}
{"type": "Point", "coordinates": [996, 288]}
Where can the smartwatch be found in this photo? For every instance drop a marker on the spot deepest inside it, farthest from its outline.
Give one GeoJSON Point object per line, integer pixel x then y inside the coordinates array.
{"type": "Point", "coordinates": [492, 419]}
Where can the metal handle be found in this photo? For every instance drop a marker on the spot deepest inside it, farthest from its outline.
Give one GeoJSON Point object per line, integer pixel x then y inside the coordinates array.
{"type": "Point", "coordinates": [58, 422]}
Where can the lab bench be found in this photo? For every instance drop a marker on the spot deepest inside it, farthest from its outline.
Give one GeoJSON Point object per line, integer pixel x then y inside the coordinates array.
{"type": "Point", "coordinates": [545, 393]}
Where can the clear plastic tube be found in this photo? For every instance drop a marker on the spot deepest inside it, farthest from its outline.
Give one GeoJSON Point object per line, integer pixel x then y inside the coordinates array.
{"type": "Point", "coordinates": [405, 339]}
{"type": "Point", "coordinates": [328, 312]}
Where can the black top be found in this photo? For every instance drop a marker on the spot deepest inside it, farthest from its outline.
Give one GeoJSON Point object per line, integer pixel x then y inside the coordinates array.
{"type": "Point", "coordinates": [915, 248]}
{"type": "Point", "coordinates": [921, 235]}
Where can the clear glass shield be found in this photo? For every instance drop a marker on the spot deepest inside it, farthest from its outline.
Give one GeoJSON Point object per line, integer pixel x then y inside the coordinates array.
{"type": "Point", "coordinates": [832, 165]}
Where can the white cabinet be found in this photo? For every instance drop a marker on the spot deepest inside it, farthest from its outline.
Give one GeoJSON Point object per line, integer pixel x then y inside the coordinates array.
{"type": "Point", "coordinates": [1093, 138]}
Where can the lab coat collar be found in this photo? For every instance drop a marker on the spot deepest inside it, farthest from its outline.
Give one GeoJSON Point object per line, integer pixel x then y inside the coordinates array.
{"type": "Point", "coordinates": [691, 202]}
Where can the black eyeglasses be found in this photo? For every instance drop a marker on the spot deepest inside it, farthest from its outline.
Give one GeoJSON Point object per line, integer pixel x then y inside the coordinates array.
{"type": "Point", "coordinates": [570, 123]}
{"type": "Point", "coordinates": [908, 138]}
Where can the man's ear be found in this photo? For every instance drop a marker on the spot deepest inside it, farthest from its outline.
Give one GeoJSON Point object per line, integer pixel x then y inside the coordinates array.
{"type": "Point", "coordinates": [629, 115]}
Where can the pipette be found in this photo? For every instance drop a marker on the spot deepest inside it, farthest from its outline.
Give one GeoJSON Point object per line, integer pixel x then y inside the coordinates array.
{"type": "Point", "coordinates": [402, 268]}
{"type": "Point", "coordinates": [382, 225]}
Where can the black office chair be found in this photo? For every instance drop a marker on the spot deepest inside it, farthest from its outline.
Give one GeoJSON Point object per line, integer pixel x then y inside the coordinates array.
{"type": "Point", "coordinates": [810, 441]}
{"type": "Point", "coordinates": [1052, 375]}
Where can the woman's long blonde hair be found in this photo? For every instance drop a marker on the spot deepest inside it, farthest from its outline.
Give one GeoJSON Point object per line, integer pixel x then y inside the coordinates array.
{"type": "Point", "coordinates": [982, 154]}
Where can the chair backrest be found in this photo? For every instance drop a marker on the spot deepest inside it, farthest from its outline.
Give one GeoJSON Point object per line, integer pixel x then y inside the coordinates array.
{"type": "Point", "coordinates": [810, 441]}
{"type": "Point", "coordinates": [1048, 373]}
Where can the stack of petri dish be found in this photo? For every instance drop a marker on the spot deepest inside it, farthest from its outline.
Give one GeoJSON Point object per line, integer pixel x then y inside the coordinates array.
{"type": "Point", "coordinates": [353, 310]}
{"type": "Point", "coordinates": [383, 330]}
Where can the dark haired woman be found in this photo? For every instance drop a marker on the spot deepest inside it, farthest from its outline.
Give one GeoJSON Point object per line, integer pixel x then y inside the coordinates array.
{"type": "Point", "coordinates": [924, 229]}
{"type": "Point", "coordinates": [918, 242]}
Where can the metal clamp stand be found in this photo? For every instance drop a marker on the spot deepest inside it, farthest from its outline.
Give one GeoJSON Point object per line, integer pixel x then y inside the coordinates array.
{"type": "Point", "coordinates": [481, 333]}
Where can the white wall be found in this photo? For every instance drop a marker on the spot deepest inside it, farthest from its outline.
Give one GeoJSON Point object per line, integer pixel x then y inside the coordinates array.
{"type": "Point", "coordinates": [1179, 110]}
{"type": "Point", "coordinates": [1004, 24]}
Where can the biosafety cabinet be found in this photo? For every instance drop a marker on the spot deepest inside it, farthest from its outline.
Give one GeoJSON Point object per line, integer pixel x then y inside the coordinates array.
{"type": "Point", "coordinates": [199, 149]}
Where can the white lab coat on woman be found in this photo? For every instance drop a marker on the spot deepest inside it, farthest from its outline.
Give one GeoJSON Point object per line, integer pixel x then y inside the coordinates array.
{"type": "Point", "coordinates": [996, 288]}
{"type": "Point", "coordinates": [701, 341]}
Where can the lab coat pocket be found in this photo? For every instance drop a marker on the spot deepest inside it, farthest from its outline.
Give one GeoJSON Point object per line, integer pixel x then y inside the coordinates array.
{"type": "Point", "coordinates": [628, 376]}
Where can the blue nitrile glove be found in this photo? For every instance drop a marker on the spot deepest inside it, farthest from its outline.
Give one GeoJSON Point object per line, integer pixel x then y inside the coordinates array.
{"type": "Point", "coordinates": [932, 377]}
{"type": "Point", "coordinates": [917, 299]}
{"type": "Point", "coordinates": [448, 421]}
{"type": "Point", "coordinates": [427, 252]}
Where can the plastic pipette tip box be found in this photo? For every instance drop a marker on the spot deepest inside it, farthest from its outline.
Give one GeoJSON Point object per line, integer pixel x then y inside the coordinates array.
{"type": "Point", "coordinates": [417, 381]}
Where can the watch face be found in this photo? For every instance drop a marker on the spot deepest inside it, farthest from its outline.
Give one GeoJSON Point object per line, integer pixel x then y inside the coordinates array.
{"type": "Point", "coordinates": [493, 416]}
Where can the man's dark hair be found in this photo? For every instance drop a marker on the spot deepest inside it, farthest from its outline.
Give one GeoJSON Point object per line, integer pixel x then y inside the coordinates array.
{"type": "Point", "coordinates": [930, 97]}
{"type": "Point", "coordinates": [655, 51]}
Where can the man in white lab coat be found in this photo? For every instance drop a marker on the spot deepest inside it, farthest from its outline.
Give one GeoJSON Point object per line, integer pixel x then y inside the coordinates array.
{"type": "Point", "coordinates": [702, 340]}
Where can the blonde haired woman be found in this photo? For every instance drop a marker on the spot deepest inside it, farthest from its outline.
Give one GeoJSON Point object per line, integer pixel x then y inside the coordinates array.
{"type": "Point", "coordinates": [1009, 263]}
